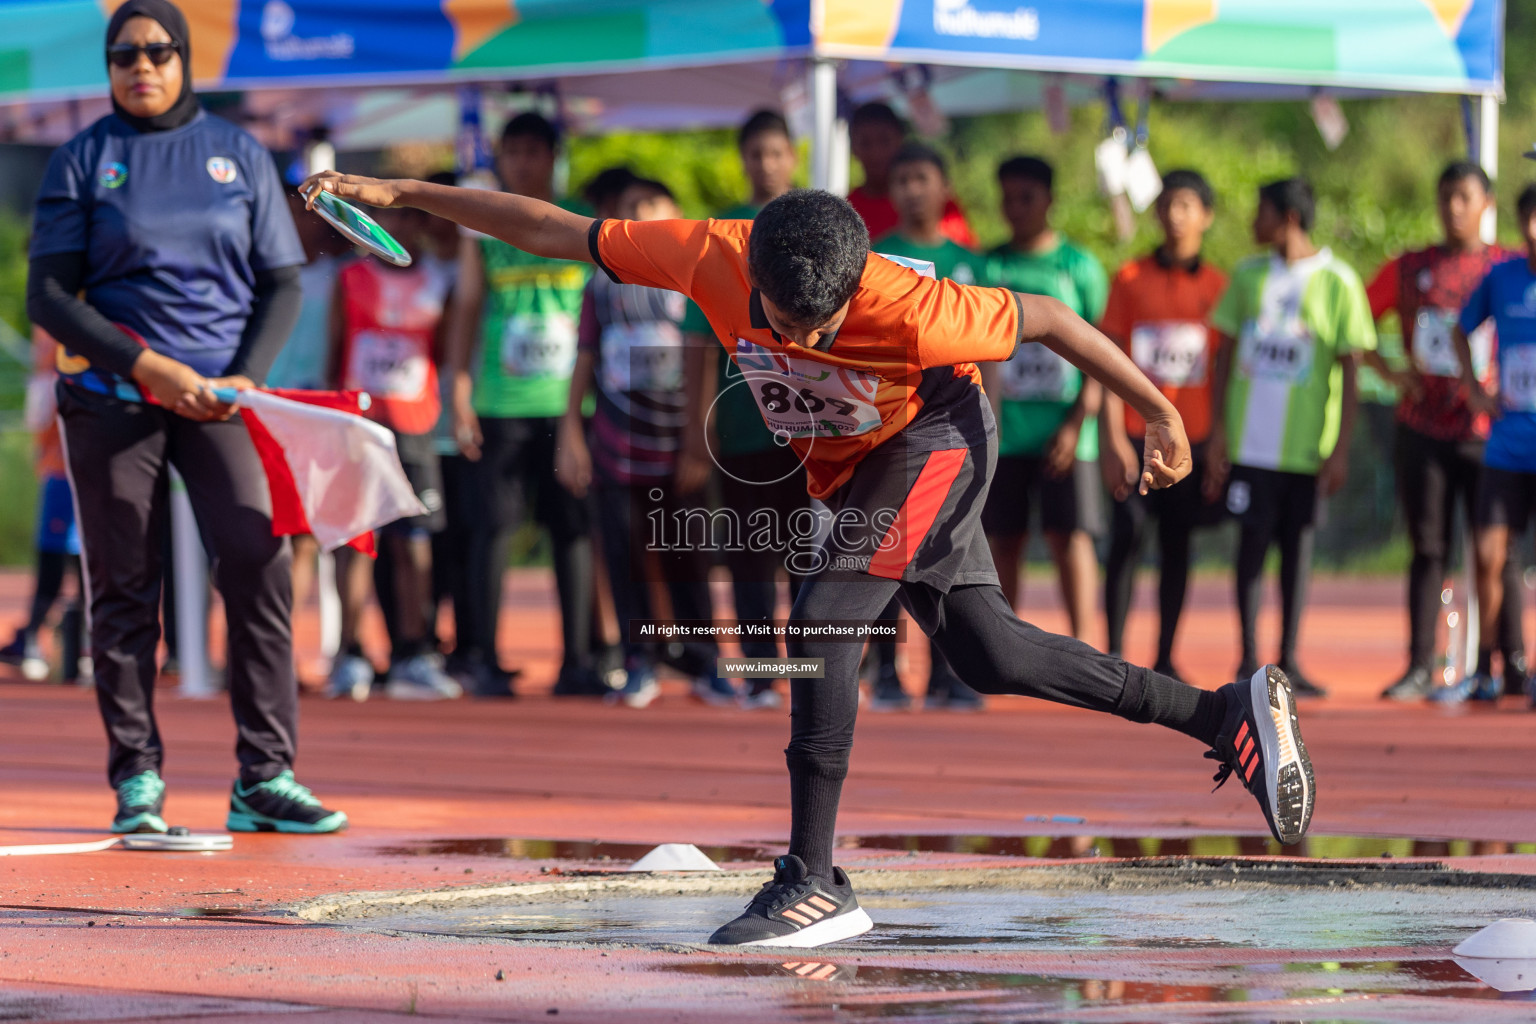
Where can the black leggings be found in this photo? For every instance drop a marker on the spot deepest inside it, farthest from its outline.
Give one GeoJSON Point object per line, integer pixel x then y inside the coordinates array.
{"type": "Point", "coordinates": [989, 647]}
{"type": "Point", "coordinates": [625, 517]}
{"type": "Point", "coordinates": [1275, 508]}
{"type": "Point", "coordinates": [941, 674]}
{"type": "Point", "coordinates": [516, 475]}
{"type": "Point", "coordinates": [49, 583]}
{"type": "Point", "coordinates": [1173, 549]}
{"type": "Point", "coordinates": [1178, 510]}
{"type": "Point", "coordinates": [1433, 477]}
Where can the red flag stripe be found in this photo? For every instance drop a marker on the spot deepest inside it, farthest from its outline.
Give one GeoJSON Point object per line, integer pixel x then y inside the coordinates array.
{"type": "Point", "coordinates": [288, 515]}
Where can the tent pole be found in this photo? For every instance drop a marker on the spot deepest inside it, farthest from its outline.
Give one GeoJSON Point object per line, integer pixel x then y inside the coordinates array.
{"type": "Point", "coordinates": [829, 136]}
{"type": "Point", "coordinates": [1488, 151]}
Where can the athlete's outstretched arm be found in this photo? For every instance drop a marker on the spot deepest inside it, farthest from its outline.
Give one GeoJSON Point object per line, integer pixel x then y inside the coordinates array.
{"type": "Point", "coordinates": [1053, 324]}
{"type": "Point", "coordinates": [531, 225]}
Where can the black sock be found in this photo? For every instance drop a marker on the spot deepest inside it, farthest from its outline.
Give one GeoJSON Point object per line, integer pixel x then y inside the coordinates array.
{"type": "Point", "coordinates": [1153, 697]}
{"type": "Point", "coordinates": [814, 790]}
{"type": "Point", "coordinates": [1485, 661]}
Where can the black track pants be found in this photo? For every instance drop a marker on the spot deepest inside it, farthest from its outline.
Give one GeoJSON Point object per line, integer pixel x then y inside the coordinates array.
{"type": "Point", "coordinates": [119, 456]}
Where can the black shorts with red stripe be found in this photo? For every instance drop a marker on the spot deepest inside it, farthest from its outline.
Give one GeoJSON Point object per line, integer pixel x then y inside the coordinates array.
{"type": "Point", "coordinates": [912, 515]}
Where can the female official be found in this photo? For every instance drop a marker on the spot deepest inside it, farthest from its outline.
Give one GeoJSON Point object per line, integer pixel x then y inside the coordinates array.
{"type": "Point", "coordinates": [165, 261]}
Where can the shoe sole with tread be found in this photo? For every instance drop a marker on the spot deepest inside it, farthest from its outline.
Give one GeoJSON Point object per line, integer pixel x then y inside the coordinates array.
{"type": "Point", "coordinates": [238, 821]}
{"type": "Point", "coordinates": [1292, 787]}
{"type": "Point", "coordinates": [833, 929]}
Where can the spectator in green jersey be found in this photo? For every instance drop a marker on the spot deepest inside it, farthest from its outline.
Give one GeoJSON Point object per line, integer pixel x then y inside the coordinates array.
{"type": "Point", "coordinates": [517, 313]}
{"type": "Point", "coordinates": [1048, 439]}
{"type": "Point", "coordinates": [920, 192]}
{"type": "Point", "coordinates": [1294, 322]}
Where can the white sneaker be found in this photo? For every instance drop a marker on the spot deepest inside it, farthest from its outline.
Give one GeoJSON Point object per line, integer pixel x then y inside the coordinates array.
{"type": "Point", "coordinates": [350, 677]}
{"type": "Point", "coordinates": [766, 700]}
{"type": "Point", "coordinates": [639, 690]}
{"type": "Point", "coordinates": [421, 678]}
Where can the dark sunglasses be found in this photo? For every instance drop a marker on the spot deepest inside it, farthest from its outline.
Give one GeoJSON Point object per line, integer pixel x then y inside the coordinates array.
{"type": "Point", "coordinates": [126, 55]}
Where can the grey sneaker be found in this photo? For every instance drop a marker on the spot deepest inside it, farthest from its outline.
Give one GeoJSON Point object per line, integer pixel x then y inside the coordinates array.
{"type": "Point", "coordinates": [715, 691]}
{"type": "Point", "coordinates": [421, 678]}
{"type": "Point", "coordinates": [352, 677]}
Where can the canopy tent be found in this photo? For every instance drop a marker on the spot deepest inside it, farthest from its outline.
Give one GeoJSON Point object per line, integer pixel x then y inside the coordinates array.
{"type": "Point", "coordinates": [1401, 45]}
{"type": "Point", "coordinates": [379, 71]}
{"type": "Point", "coordinates": [1198, 48]}
{"type": "Point", "coordinates": [673, 63]}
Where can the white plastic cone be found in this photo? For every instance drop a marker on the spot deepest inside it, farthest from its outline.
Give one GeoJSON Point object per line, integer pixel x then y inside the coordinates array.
{"type": "Point", "coordinates": [675, 857]}
{"type": "Point", "coordinates": [1504, 975]}
{"type": "Point", "coordinates": [1509, 938]}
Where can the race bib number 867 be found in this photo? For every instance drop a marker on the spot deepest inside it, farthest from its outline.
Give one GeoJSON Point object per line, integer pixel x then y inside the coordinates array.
{"type": "Point", "coordinates": [802, 398]}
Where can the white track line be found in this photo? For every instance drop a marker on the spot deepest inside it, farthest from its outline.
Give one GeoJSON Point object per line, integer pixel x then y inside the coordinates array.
{"type": "Point", "coordinates": [34, 851]}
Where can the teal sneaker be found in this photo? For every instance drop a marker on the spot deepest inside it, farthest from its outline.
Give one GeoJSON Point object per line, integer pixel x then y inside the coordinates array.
{"type": "Point", "coordinates": [140, 804]}
{"type": "Point", "coordinates": [280, 805]}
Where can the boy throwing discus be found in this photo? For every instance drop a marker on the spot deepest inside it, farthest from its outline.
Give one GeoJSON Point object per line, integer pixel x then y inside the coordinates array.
{"type": "Point", "coordinates": [867, 367]}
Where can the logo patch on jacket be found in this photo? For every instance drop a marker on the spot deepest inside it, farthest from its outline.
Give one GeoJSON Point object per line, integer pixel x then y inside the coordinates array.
{"type": "Point", "coordinates": [221, 169]}
{"type": "Point", "coordinates": [112, 176]}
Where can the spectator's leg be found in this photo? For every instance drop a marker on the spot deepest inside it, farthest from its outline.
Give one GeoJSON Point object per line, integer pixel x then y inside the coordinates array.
{"type": "Point", "coordinates": [1127, 527]}
{"type": "Point", "coordinates": [1296, 540]}
{"type": "Point", "coordinates": [568, 520]}
{"type": "Point", "coordinates": [252, 569]}
{"type": "Point", "coordinates": [1426, 489]}
{"type": "Point", "coordinates": [116, 458]}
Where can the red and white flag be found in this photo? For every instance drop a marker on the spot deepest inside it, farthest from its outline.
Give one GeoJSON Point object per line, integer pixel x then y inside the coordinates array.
{"type": "Point", "coordinates": [332, 473]}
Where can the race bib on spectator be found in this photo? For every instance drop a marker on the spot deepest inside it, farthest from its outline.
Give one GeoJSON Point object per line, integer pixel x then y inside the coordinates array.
{"type": "Point", "coordinates": [1517, 378]}
{"type": "Point", "coordinates": [802, 398]}
{"type": "Point", "coordinates": [1274, 356]}
{"type": "Point", "coordinates": [387, 365]}
{"type": "Point", "coordinates": [539, 345]}
{"type": "Point", "coordinates": [1173, 353]}
{"type": "Point", "coordinates": [1434, 345]}
{"type": "Point", "coordinates": [1035, 374]}
{"type": "Point", "coordinates": [642, 357]}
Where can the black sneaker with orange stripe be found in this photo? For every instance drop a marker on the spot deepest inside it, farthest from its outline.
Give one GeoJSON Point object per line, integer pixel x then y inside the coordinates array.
{"type": "Point", "coordinates": [1261, 743]}
{"type": "Point", "coordinates": [797, 909]}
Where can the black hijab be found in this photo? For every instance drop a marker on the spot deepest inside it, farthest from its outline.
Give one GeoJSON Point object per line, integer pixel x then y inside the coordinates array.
{"type": "Point", "coordinates": [175, 24]}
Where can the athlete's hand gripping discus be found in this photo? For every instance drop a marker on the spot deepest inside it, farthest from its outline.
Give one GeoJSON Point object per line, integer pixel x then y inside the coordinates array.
{"type": "Point", "coordinates": [359, 228]}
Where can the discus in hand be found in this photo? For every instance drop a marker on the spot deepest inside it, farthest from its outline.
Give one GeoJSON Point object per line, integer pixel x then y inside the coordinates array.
{"type": "Point", "coordinates": [360, 229]}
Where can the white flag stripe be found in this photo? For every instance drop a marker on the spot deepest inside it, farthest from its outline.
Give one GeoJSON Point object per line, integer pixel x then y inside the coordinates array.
{"type": "Point", "coordinates": [344, 467]}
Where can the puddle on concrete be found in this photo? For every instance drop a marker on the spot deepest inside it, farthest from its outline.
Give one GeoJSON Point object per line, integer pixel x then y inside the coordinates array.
{"type": "Point", "coordinates": [1247, 982]}
{"type": "Point", "coordinates": [1046, 847]}
{"type": "Point", "coordinates": [1291, 991]}
{"type": "Point", "coordinates": [1123, 918]}
{"type": "Point", "coordinates": [1063, 847]}
{"type": "Point", "coordinates": [1112, 954]}
{"type": "Point", "coordinates": [560, 849]}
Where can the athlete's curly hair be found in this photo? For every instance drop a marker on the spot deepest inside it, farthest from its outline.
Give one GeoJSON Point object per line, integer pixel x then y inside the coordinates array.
{"type": "Point", "coordinates": [807, 254]}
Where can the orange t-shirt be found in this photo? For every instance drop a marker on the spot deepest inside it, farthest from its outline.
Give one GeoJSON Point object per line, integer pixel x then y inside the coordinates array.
{"type": "Point", "coordinates": [1160, 315]}
{"type": "Point", "coordinates": [902, 358]}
